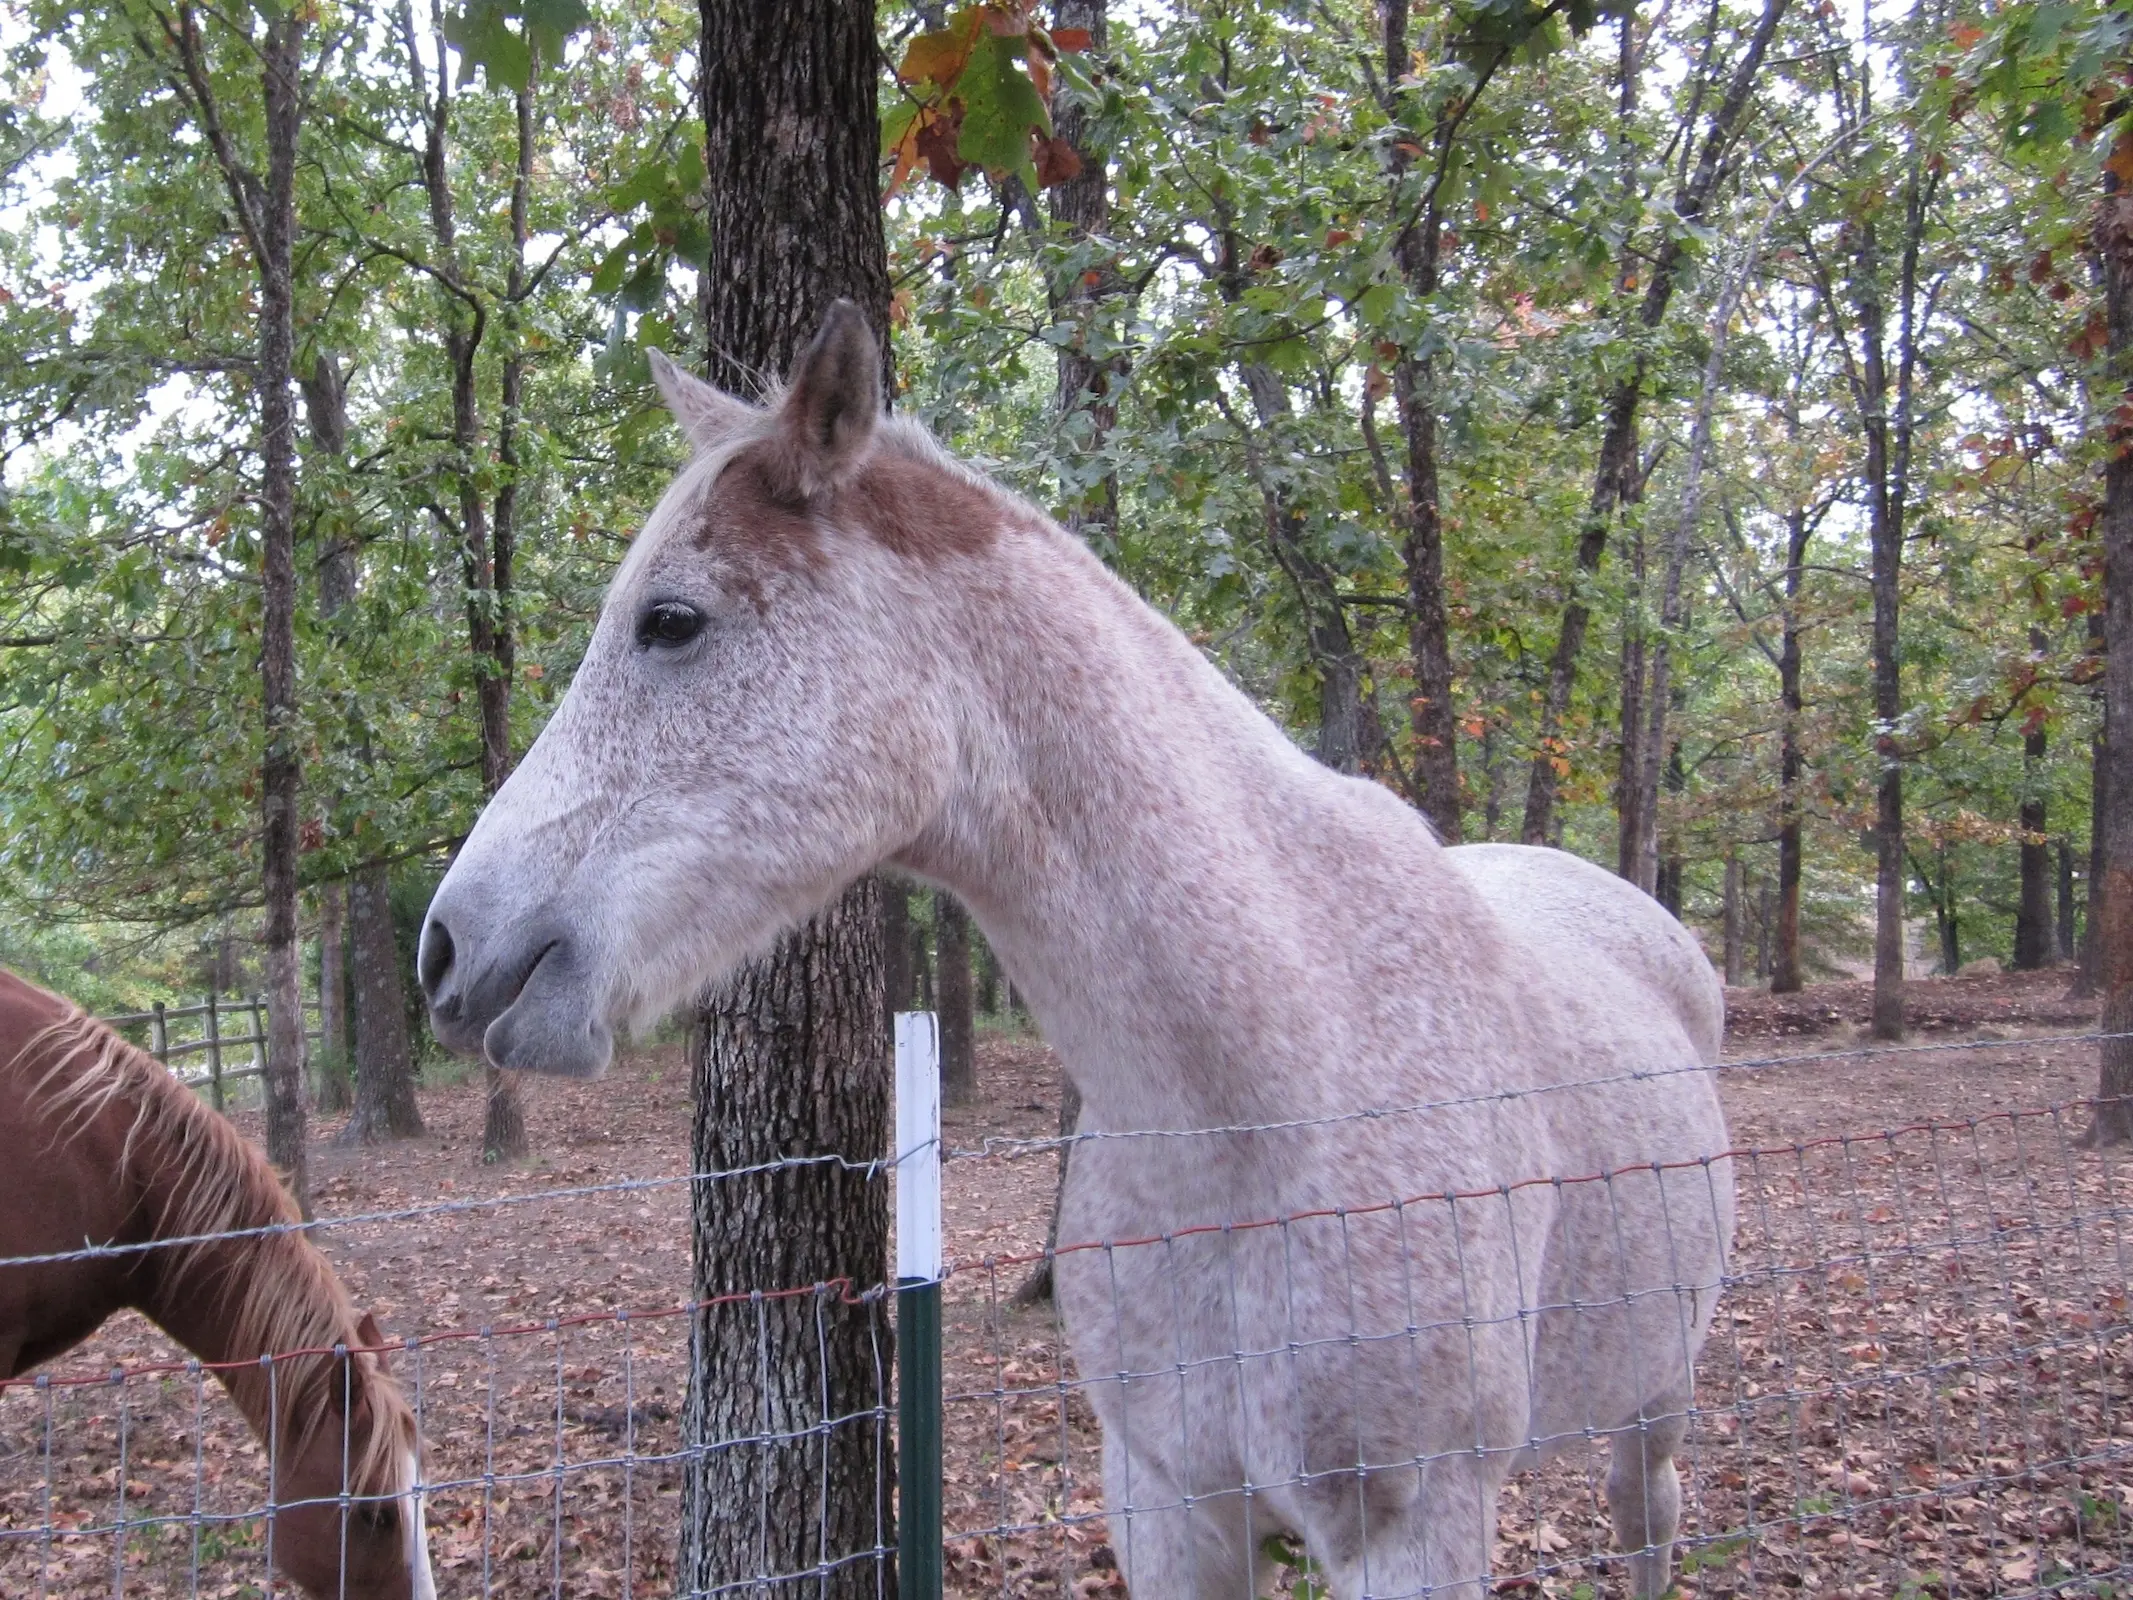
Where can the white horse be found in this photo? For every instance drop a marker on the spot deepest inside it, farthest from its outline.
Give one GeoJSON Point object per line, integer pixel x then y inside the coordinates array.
{"type": "Point", "coordinates": [833, 646]}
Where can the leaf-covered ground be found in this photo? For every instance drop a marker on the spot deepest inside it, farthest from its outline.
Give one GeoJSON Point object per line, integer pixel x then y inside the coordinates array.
{"type": "Point", "coordinates": [1921, 1383]}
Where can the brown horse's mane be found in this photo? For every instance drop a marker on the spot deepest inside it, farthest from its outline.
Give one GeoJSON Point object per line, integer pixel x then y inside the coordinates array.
{"type": "Point", "coordinates": [288, 1295]}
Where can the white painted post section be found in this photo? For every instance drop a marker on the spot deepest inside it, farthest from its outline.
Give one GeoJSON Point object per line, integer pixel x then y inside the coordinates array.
{"type": "Point", "coordinates": [918, 1306]}
{"type": "Point", "coordinates": [918, 1147]}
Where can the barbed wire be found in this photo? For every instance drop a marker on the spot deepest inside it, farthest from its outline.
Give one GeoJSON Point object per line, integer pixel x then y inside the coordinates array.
{"type": "Point", "coordinates": [1799, 1380]}
{"type": "Point", "coordinates": [1002, 1147]}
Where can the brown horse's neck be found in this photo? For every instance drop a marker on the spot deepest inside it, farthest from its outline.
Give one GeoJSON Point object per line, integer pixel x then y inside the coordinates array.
{"type": "Point", "coordinates": [198, 1294]}
{"type": "Point", "coordinates": [231, 1301]}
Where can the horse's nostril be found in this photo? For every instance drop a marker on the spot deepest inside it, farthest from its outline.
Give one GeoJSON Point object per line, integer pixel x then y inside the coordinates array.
{"type": "Point", "coordinates": [433, 962]}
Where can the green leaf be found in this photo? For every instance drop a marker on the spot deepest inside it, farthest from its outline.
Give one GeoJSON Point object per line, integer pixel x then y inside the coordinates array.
{"type": "Point", "coordinates": [1001, 109]}
{"type": "Point", "coordinates": [1376, 304]}
{"type": "Point", "coordinates": [607, 277]}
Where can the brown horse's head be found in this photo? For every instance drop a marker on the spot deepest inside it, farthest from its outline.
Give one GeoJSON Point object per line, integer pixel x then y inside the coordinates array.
{"type": "Point", "coordinates": [368, 1543]}
{"type": "Point", "coordinates": [763, 714]}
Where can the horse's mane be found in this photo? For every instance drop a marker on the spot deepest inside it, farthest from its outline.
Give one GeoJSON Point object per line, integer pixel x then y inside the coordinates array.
{"type": "Point", "coordinates": [288, 1295]}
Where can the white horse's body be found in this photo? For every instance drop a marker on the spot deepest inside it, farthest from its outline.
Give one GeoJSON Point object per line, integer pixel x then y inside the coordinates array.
{"type": "Point", "coordinates": [1216, 934]}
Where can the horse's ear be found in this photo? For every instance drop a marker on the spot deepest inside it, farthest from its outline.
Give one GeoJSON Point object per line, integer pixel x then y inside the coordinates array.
{"type": "Point", "coordinates": [831, 403]}
{"type": "Point", "coordinates": [371, 1336]}
{"type": "Point", "coordinates": [709, 416]}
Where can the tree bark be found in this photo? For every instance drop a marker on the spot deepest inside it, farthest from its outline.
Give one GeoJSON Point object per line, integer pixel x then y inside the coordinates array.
{"type": "Point", "coordinates": [1785, 976]}
{"type": "Point", "coordinates": [265, 208]}
{"type": "Point", "coordinates": [1431, 719]}
{"type": "Point", "coordinates": [326, 411]}
{"type": "Point", "coordinates": [959, 1062]}
{"type": "Point", "coordinates": [2063, 927]}
{"type": "Point", "coordinates": [791, 1054]}
{"type": "Point", "coordinates": [1087, 396]}
{"type": "Point", "coordinates": [2086, 973]}
{"type": "Point", "coordinates": [789, 1064]}
{"type": "Point", "coordinates": [385, 1105]}
{"type": "Point", "coordinates": [2113, 1120]}
{"type": "Point", "coordinates": [333, 1085]}
{"type": "Point", "coordinates": [503, 1129]}
{"type": "Point", "coordinates": [1617, 479]}
{"type": "Point", "coordinates": [2034, 942]}
{"type": "Point", "coordinates": [897, 977]}
{"type": "Point", "coordinates": [1731, 929]}
{"type": "Point", "coordinates": [281, 73]}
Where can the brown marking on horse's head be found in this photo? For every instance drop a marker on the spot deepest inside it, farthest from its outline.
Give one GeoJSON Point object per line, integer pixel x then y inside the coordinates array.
{"type": "Point", "coordinates": [920, 510]}
{"type": "Point", "coordinates": [917, 509]}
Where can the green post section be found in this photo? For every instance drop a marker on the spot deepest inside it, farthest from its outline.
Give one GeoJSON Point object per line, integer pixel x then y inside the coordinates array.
{"type": "Point", "coordinates": [918, 1440]}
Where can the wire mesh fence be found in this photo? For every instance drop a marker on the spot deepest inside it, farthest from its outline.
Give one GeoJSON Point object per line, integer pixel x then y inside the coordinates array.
{"type": "Point", "coordinates": [1917, 1381]}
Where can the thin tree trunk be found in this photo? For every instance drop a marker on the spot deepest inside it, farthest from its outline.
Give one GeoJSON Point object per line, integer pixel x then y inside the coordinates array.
{"type": "Point", "coordinates": [326, 411]}
{"type": "Point", "coordinates": [281, 63]}
{"type": "Point", "coordinates": [1617, 480]}
{"type": "Point", "coordinates": [1083, 206]}
{"type": "Point", "coordinates": [2086, 974]}
{"type": "Point", "coordinates": [384, 1059]}
{"type": "Point", "coordinates": [2063, 925]}
{"type": "Point", "coordinates": [1763, 920]}
{"type": "Point", "coordinates": [2033, 940]}
{"type": "Point", "coordinates": [1036, 1289]}
{"type": "Point", "coordinates": [791, 1055]}
{"type": "Point", "coordinates": [1087, 397]}
{"type": "Point", "coordinates": [503, 1131]}
{"type": "Point", "coordinates": [1731, 924]}
{"type": "Point", "coordinates": [1785, 975]}
{"type": "Point", "coordinates": [2113, 1120]}
{"type": "Point", "coordinates": [333, 1085]}
{"type": "Point", "coordinates": [1431, 718]}
{"type": "Point", "coordinates": [959, 1063]}
{"type": "Point", "coordinates": [1629, 763]}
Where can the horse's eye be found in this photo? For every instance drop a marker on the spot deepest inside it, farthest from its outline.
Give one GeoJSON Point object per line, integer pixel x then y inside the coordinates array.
{"type": "Point", "coordinates": [668, 625]}
{"type": "Point", "coordinates": [380, 1516]}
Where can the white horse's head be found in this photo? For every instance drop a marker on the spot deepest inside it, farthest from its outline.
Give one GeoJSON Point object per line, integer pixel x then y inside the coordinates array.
{"type": "Point", "coordinates": [761, 716]}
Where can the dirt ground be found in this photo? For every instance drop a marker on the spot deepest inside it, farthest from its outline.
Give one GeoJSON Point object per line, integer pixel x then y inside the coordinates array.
{"type": "Point", "coordinates": [1920, 1383]}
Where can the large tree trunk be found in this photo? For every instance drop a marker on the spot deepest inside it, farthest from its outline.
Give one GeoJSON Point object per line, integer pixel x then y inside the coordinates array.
{"type": "Point", "coordinates": [959, 1061]}
{"type": "Point", "coordinates": [384, 1058]}
{"type": "Point", "coordinates": [791, 1055]}
{"type": "Point", "coordinates": [789, 1061]}
{"type": "Point", "coordinates": [2113, 1120]}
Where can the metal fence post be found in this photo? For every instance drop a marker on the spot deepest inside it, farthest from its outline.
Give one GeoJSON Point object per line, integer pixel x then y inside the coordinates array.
{"type": "Point", "coordinates": [159, 1034]}
{"type": "Point", "coordinates": [918, 1306]}
{"type": "Point", "coordinates": [214, 1052]}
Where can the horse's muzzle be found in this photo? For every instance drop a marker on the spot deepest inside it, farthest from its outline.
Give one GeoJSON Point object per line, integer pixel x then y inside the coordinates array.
{"type": "Point", "coordinates": [519, 993]}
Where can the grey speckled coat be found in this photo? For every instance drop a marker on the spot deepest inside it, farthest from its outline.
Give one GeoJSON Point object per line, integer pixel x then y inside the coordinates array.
{"type": "Point", "coordinates": [831, 647]}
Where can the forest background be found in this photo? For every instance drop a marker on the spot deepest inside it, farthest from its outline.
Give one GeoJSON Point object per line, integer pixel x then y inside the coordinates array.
{"type": "Point", "coordinates": [1675, 434]}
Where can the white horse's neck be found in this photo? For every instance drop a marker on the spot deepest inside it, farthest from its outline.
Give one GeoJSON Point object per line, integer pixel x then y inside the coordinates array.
{"type": "Point", "coordinates": [1159, 866]}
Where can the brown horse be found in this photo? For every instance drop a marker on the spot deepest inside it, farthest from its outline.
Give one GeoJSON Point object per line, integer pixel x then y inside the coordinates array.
{"type": "Point", "coordinates": [106, 1148]}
